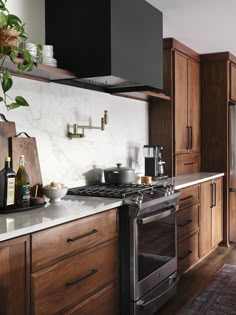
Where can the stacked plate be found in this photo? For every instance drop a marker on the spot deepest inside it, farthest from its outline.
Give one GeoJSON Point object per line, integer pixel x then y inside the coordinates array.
{"type": "Point", "coordinates": [48, 56]}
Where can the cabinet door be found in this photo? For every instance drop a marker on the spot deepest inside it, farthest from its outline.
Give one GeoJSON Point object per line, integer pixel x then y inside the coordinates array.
{"type": "Point", "coordinates": [14, 277]}
{"type": "Point", "coordinates": [205, 219]}
{"type": "Point", "coordinates": [194, 105]}
{"type": "Point", "coordinates": [181, 102]}
{"type": "Point", "coordinates": [233, 82]}
{"type": "Point", "coordinates": [217, 213]}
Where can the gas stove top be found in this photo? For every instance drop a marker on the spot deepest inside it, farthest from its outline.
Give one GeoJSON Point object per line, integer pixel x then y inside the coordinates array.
{"type": "Point", "coordinates": [120, 191]}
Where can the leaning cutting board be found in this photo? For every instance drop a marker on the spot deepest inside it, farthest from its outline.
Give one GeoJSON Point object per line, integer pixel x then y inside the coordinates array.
{"type": "Point", "coordinates": [7, 130]}
{"type": "Point", "coordinates": [23, 144]}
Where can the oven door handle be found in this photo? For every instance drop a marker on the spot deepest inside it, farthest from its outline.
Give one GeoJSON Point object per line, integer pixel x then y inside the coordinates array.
{"type": "Point", "coordinates": [157, 216]}
{"type": "Point", "coordinates": [142, 303]}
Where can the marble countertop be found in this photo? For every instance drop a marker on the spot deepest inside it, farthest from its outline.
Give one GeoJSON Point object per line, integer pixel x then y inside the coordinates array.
{"type": "Point", "coordinates": [70, 208]}
{"type": "Point", "coordinates": [186, 180]}
{"type": "Point", "coordinates": [75, 207]}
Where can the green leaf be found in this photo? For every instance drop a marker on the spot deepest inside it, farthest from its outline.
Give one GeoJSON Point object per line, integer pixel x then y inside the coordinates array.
{"type": "Point", "coordinates": [6, 80]}
{"type": "Point", "coordinates": [14, 20]}
{"type": "Point", "coordinates": [12, 106]}
{"type": "Point", "coordinates": [21, 101]}
{"type": "Point", "coordinates": [1, 99]}
{"type": "Point", "coordinates": [3, 20]}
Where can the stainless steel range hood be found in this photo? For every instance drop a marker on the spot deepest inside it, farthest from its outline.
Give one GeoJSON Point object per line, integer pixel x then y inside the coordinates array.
{"type": "Point", "coordinates": [111, 45]}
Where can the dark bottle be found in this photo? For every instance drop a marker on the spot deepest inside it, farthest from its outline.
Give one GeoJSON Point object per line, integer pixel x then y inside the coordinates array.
{"type": "Point", "coordinates": [22, 185]}
{"type": "Point", "coordinates": [7, 185]}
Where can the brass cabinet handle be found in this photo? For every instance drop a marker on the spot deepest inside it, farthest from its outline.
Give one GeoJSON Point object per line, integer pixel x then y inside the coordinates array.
{"type": "Point", "coordinates": [82, 236]}
{"type": "Point", "coordinates": [190, 163]}
{"type": "Point", "coordinates": [186, 223]}
{"type": "Point", "coordinates": [189, 252]}
{"type": "Point", "coordinates": [72, 282]}
{"type": "Point", "coordinates": [186, 198]}
{"type": "Point", "coordinates": [187, 137]}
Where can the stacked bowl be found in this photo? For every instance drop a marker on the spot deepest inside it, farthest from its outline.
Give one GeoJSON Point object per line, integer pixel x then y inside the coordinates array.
{"type": "Point", "coordinates": [48, 56]}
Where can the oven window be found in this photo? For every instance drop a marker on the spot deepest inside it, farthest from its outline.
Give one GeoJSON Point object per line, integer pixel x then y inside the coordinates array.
{"type": "Point", "coordinates": [156, 243]}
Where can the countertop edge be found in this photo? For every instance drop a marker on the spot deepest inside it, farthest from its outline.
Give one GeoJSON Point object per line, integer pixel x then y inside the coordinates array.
{"type": "Point", "coordinates": [198, 180]}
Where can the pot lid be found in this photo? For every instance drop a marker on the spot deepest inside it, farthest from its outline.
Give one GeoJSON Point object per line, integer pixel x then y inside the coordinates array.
{"type": "Point", "coordinates": [119, 168]}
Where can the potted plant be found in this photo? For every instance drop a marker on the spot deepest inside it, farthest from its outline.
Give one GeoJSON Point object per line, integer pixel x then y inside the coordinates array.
{"type": "Point", "coordinates": [12, 45]}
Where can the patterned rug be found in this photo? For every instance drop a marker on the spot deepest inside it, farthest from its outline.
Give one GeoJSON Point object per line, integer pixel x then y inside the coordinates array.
{"type": "Point", "coordinates": [218, 297]}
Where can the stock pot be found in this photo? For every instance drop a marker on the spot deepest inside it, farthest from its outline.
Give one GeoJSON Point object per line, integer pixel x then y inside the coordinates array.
{"type": "Point", "coordinates": [119, 175]}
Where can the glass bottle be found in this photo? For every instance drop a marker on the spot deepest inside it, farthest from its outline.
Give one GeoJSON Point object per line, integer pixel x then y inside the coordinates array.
{"type": "Point", "coordinates": [22, 185]}
{"type": "Point", "coordinates": [7, 185]}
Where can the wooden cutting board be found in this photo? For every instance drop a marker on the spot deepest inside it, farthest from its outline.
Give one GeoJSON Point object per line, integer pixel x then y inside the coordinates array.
{"type": "Point", "coordinates": [23, 144]}
{"type": "Point", "coordinates": [7, 130]}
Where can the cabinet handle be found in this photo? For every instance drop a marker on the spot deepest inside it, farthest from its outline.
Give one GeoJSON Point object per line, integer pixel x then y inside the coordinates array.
{"type": "Point", "coordinates": [189, 252]}
{"type": "Point", "coordinates": [190, 137]}
{"type": "Point", "coordinates": [186, 198]}
{"type": "Point", "coordinates": [186, 223]}
{"type": "Point", "coordinates": [212, 196]}
{"type": "Point", "coordinates": [82, 236]}
{"type": "Point", "coordinates": [72, 282]}
{"type": "Point", "coordinates": [214, 190]}
{"type": "Point", "coordinates": [187, 137]}
{"type": "Point", "coordinates": [190, 163]}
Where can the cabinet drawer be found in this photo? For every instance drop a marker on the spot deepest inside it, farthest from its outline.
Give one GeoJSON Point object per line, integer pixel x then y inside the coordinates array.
{"type": "Point", "coordinates": [189, 196]}
{"type": "Point", "coordinates": [187, 163]}
{"type": "Point", "coordinates": [104, 302]}
{"type": "Point", "coordinates": [59, 242]}
{"type": "Point", "coordinates": [187, 220]}
{"type": "Point", "coordinates": [74, 278]}
{"type": "Point", "coordinates": [187, 252]}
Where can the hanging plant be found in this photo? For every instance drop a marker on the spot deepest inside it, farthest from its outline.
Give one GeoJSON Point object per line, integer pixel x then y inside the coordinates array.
{"type": "Point", "coordinates": [12, 47]}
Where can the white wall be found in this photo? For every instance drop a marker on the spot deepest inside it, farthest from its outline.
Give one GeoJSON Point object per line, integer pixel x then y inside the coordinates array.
{"type": "Point", "coordinates": [32, 13]}
{"type": "Point", "coordinates": [53, 106]}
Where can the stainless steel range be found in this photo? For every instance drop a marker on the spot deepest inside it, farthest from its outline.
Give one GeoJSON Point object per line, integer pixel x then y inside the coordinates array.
{"type": "Point", "coordinates": [148, 261]}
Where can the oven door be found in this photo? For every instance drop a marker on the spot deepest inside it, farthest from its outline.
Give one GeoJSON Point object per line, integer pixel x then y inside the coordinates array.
{"type": "Point", "coordinates": [152, 249]}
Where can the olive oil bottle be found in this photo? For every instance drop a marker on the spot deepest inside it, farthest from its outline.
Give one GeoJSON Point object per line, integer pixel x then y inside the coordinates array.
{"type": "Point", "coordinates": [22, 185]}
{"type": "Point", "coordinates": [7, 185]}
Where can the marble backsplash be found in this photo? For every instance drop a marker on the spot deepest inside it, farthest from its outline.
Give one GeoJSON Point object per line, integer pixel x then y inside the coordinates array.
{"type": "Point", "coordinates": [77, 161]}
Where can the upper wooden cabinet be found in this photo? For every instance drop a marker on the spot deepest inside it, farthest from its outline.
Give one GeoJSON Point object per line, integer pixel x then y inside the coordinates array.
{"type": "Point", "coordinates": [15, 277]}
{"type": "Point", "coordinates": [232, 81]}
{"type": "Point", "coordinates": [180, 132]}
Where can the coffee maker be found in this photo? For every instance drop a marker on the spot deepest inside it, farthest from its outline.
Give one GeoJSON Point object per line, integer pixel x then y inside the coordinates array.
{"type": "Point", "coordinates": [154, 165]}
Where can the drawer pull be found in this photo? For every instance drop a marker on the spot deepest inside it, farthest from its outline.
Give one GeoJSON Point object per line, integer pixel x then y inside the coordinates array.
{"type": "Point", "coordinates": [82, 236]}
{"type": "Point", "coordinates": [186, 223]}
{"type": "Point", "coordinates": [186, 198]}
{"type": "Point", "coordinates": [189, 252]}
{"type": "Point", "coordinates": [190, 163]}
{"type": "Point", "coordinates": [72, 282]}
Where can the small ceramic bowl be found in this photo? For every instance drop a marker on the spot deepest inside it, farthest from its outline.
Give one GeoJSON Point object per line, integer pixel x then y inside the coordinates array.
{"type": "Point", "coordinates": [55, 194]}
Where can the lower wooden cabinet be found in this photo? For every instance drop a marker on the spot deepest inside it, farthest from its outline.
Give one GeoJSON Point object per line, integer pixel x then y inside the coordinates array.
{"type": "Point", "coordinates": [188, 252]}
{"type": "Point", "coordinates": [77, 270]}
{"type": "Point", "coordinates": [105, 300]}
{"type": "Point", "coordinates": [15, 277]}
{"type": "Point", "coordinates": [211, 233]}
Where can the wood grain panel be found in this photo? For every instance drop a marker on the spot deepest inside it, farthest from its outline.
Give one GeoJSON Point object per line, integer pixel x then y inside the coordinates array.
{"type": "Point", "coordinates": [187, 163]}
{"type": "Point", "coordinates": [187, 220]}
{"type": "Point", "coordinates": [189, 196]}
{"type": "Point", "coordinates": [105, 300]}
{"type": "Point", "coordinates": [187, 252]}
{"type": "Point", "coordinates": [50, 246]}
{"type": "Point", "coordinates": [205, 219]}
{"type": "Point", "coordinates": [15, 277]}
{"type": "Point", "coordinates": [73, 279]}
{"type": "Point", "coordinates": [233, 82]}
{"type": "Point", "coordinates": [181, 102]}
{"type": "Point", "coordinates": [194, 103]}
{"type": "Point", "coordinates": [217, 213]}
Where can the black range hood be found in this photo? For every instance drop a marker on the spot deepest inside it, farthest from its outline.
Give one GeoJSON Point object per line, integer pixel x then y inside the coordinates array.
{"type": "Point", "coordinates": [111, 45]}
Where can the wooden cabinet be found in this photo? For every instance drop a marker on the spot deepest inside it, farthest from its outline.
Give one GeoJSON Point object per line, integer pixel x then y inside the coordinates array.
{"type": "Point", "coordinates": [176, 125]}
{"type": "Point", "coordinates": [211, 224]}
{"type": "Point", "coordinates": [233, 81]}
{"type": "Point", "coordinates": [74, 262]}
{"type": "Point", "coordinates": [15, 277]}
{"type": "Point", "coordinates": [187, 218]}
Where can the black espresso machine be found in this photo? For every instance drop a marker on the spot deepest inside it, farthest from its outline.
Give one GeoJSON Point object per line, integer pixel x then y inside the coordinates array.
{"type": "Point", "coordinates": [154, 165]}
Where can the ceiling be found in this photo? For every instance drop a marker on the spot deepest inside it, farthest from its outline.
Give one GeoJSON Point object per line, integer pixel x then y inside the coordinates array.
{"type": "Point", "coordinates": [205, 26]}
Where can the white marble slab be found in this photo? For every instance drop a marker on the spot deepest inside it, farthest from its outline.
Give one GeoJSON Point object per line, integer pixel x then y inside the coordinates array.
{"type": "Point", "coordinates": [71, 208]}
{"type": "Point", "coordinates": [186, 180]}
